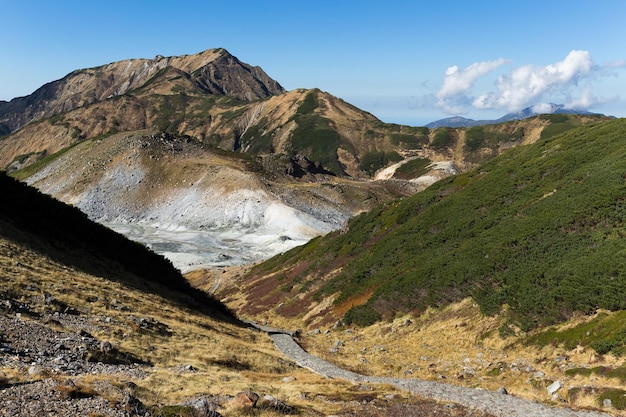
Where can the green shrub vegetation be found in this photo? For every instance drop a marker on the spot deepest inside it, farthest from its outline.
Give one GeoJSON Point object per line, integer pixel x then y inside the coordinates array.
{"type": "Point", "coordinates": [442, 138]}
{"type": "Point", "coordinates": [318, 141]}
{"type": "Point", "coordinates": [616, 395]}
{"type": "Point", "coordinates": [559, 123]}
{"type": "Point", "coordinates": [490, 136]}
{"type": "Point", "coordinates": [474, 138]}
{"type": "Point", "coordinates": [363, 315]}
{"type": "Point", "coordinates": [413, 169]}
{"type": "Point", "coordinates": [606, 333]}
{"type": "Point", "coordinates": [409, 136]}
{"type": "Point", "coordinates": [619, 373]}
{"type": "Point", "coordinates": [309, 103]}
{"type": "Point", "coordinates": [539, 229]}
{"type": "Point", "coordinates": [374, 160]}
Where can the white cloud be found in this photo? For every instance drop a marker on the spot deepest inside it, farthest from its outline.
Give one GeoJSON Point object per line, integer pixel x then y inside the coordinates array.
{"type": "Point", "coordinates": [452, 97]}
{"type": "Point", "coordinates": [543, 108]}
{"type": "Point", "coordinates": [615, 64]}
{"type": "Point", "coordinates": [567, 82]}
{"type": "Point", "coordinates": [525, 85]}
{"type": "Point", "coordinates": [588, 100]}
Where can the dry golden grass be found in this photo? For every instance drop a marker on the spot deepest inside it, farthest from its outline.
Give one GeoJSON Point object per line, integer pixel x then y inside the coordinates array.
{"type": "Point", "coordinates": [225, 358]}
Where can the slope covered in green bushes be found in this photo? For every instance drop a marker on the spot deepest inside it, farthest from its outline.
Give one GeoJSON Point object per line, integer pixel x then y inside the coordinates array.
{"type": "Point", "coordinates": [535, 234]}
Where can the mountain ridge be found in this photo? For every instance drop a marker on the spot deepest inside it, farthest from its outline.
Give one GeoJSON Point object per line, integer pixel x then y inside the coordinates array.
{"type": "Point", "coordinates": [213, 71]}
{"type": "Point", "coordinates": [531, 111]}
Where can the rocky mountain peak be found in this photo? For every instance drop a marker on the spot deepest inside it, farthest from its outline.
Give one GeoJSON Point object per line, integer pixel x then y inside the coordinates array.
{"type": "Point", "coordinates": [213, 71]}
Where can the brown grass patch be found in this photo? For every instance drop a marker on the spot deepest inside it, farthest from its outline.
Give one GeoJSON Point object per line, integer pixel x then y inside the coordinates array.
{"type": "Point", "coordinates": [341, 309]}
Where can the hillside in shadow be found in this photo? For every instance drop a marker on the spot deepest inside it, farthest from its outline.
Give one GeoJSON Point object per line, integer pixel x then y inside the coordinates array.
{"type": "Point", "coordinates": [66, 235]}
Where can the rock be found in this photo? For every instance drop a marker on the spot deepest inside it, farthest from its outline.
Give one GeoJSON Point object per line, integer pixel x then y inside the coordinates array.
{"type": "Point", "coordinates": [187, 368]}
{"type": "Point", "coordinates": [288, 379]}
{"type": "Point", "coordinates": [247, 399]}
{"type": "Point", "coordinates": [105, 347]}
{"type": "Point", "coordinates": [48, 299]}
{"type": "Point", "coordinates": [607, 403]}
{"type": "Point", "coordinates": [133, 405]}
{"type": "Point", "coordinates": [267, 402]}
{"type": "Point", "coordinates": [34, 370]}
{"type": "Point", "coordinates": [60, 360]}
{"type": "Point", "coordinates": [554, 387]}
{"type": "Point", "coordinates": [203, 407]}
{"type": "Point", "coordinates": [502, 391]}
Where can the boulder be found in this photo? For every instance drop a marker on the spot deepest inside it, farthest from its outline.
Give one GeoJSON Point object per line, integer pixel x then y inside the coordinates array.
{"type": "Point", "coordinates": [246, 399]}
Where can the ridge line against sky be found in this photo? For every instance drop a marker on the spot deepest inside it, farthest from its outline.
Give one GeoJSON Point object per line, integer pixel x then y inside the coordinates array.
{"type": "Point", "coordinates": [408, 62]}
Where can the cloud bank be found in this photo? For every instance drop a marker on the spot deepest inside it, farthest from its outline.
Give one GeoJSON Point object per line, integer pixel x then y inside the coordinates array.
{"type": "Point", "coordinates": [452, 96]}
{"type": "Point", "coordinates": [522, 86]}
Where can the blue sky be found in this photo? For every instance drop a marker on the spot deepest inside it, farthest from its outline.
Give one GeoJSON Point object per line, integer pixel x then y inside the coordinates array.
{"type": "Point", "coordinates": [408, 62]}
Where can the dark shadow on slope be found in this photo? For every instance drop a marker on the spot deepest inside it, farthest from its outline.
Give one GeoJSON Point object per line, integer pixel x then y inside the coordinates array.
{"type": "Point", "coordinates": [66, 235]}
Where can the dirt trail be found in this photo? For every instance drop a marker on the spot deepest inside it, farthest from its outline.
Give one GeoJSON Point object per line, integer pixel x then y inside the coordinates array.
{"type": "Point", "coordinates": [500, 405]}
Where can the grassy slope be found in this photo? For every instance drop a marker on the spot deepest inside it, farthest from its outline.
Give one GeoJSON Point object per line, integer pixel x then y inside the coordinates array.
{"type": "Point", "coordinates": [538, 229]}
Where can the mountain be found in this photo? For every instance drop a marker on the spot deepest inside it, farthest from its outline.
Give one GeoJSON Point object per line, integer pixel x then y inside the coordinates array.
{"type": "Point", "coordinates": [531, 111]}
{"type": "Point", "coordinates": [209, 146]}
{"type": "Point", "coordinates": [213, 71]}
{"type": "Point", "coordinates": [211, 96]}
{"type": "Point", "coordinates": [532, 235]}
{"type": "Point", "coordinates": [455, 121]}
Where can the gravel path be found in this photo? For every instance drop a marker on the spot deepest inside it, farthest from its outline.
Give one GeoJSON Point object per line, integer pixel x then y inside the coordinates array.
{"type": "Point", "coordinates": [500, 405]}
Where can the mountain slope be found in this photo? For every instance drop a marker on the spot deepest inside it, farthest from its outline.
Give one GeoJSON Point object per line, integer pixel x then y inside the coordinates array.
{"type": "Point", "coordinates": [219, 101]}
{"type": "Point", "coordinates": [537, 229]}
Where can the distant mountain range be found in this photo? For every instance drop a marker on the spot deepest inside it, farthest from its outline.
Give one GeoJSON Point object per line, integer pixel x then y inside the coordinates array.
{"type": "Point", "coordinates": [551, 108]}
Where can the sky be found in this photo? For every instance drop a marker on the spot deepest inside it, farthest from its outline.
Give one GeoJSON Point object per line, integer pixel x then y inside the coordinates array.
{"type": "Point", "coordinates": [407, 62]}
